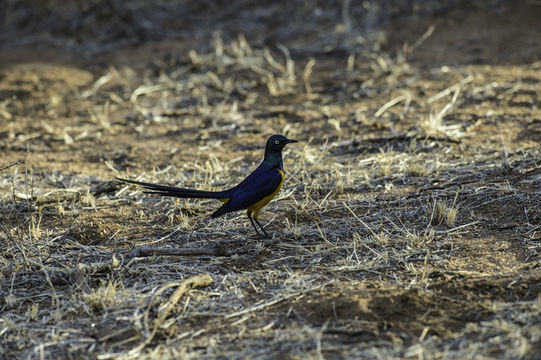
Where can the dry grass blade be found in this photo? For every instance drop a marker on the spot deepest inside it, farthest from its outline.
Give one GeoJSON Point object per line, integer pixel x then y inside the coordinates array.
{"type": "Point", "coordinates": [451, 89]}
{"type": "Point", "coordinates": [306, 77]}
{"type": "Point", "coordinates": [11, 165]}
{"type": "Point", "coordinates": [390, 104]}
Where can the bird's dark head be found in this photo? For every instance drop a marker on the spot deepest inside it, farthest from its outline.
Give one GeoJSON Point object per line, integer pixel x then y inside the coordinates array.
{"type": "Point", "coordinates": [273, 149]}
{"type": "Point", "coordinates": [277, 142]}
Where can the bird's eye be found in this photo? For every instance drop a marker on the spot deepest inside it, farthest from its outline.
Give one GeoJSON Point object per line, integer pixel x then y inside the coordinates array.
{"type": "Point", "coordinates": [276, 142]}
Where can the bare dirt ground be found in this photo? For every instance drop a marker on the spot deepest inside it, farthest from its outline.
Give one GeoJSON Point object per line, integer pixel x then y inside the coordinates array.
{"type": "Point", "coordinates": [409, 225]}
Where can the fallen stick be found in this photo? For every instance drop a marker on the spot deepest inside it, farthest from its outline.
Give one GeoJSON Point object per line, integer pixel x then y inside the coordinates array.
{"type": "Point", "coordinates": [144, 251]}
{"type": "Point", "coordinates": [193, 282]}
{"type": "Point", "coordinates": [218, 250]}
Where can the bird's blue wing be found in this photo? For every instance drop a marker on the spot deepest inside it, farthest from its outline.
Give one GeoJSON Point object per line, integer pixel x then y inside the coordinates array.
{"type": "Point", "coordinates": [258, 185]}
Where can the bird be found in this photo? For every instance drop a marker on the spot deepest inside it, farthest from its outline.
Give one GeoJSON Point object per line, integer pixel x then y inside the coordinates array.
{"type": "Point", "coordinates": [252, 194]}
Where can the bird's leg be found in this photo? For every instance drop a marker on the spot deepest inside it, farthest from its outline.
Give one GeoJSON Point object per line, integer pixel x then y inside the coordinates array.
{"type": "Point", "coordinates": [262, 228]}
{"type": "Point", "coordinates": [252, 221]}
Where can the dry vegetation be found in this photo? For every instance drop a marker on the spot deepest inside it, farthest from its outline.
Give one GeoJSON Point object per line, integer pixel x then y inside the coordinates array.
{"type": "Point", "coordinates": [408, 227]}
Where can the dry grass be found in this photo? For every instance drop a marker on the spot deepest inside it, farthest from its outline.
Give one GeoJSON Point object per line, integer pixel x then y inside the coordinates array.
{"type": "Point", "coordinates": [408, 225]}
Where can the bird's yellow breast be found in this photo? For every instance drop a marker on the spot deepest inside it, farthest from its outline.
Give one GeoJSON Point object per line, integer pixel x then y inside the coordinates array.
{"type": "Point", "coordinates": [256, 207]}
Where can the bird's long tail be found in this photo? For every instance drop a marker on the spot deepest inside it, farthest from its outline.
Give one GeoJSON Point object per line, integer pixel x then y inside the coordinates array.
{"type": "Point", "coordinates": [178, 192]}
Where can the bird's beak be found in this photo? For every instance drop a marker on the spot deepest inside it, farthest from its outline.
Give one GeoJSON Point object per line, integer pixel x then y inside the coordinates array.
{"type": "Point", "coordinates": [289, 141]}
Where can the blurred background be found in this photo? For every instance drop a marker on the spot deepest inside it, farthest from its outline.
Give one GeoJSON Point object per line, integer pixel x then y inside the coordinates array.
{"type": "Point", "coordinates": [90, 27]}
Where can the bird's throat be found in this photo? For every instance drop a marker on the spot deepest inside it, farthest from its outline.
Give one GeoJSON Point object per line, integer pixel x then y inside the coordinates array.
{"type": "Point", "coordinates": [273, 159]}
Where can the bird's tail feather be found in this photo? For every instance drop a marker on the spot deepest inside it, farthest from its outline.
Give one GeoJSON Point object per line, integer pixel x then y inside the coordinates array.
{"type": "Point", "coordinates": [178, 192]}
